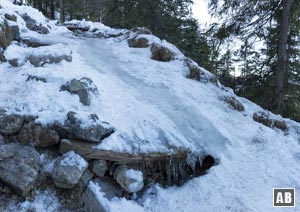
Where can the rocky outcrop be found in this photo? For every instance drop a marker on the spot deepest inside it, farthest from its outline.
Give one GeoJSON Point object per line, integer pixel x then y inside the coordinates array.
{"type": "Point", "coordinates": [138, 42]}
{"type": "Point", "coordinates": [19, 167]}
{"type": "Point", "coordinates": [130, 180]}
{"type": "Point", "coordinates": [83, 88]}
{"type": "Point", "coordinates": [74, 128]}
{"type": "Point", "coordinates": [265, 119]}
{"type": "Point", "coordinates": [161, 53]}
{"type": "Point", "coordinates": [234, 103]}
{"type": "Point", "coordinates": [68, 170]}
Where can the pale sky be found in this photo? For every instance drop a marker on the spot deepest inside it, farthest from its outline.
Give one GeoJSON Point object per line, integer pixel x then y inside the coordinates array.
{"type": "Point", "coordinates": [200, 11]}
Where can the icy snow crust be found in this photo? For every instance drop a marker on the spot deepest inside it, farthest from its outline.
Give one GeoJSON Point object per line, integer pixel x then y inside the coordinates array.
{"type": "Point", "coordinates": [154, 108]}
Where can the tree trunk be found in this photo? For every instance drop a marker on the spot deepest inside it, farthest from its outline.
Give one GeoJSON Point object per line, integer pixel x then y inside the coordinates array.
{"type": "Point", "coordinates": [62, 11]}
{"type": "Point", "coordinates": [282, 62]}
{"type": "Point", "coordinates": [52, 9]}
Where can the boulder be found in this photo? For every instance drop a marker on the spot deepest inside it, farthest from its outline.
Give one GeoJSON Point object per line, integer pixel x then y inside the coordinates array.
{"type": "Point", "coordinates": [39, 60]}
{"type": "Point", "coordinates": [68, 170]}
{"type": "Point", "coordinates": [19, 167]}
{"type": "Point", "coordinates": [138, 42]}
{"type": "Point", "coordinates": [10, 124]}
{"type": "Point", "coordinates": [82, 88]}
{"type": "Point", "coordinates": [8, 33]}
{"type": "Point", "coordinates": [39, 135]}
{"type": "Point", "coordinates": [234, 103]}
{"type": "Point", "coordinates": [161, 53]}
{"type": "Point", "coordinates": [96, 195]}
{"type": "Point", "coordinates": [129, 179]}
{"type": "Point", "coordinates": [93, 131]}
{"type": "Point", "coordinates": [99, 167]}
{"type": "Point", "coordinates": [33, 25]}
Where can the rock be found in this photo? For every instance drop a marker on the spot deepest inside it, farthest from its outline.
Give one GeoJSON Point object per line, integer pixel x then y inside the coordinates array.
{"type": "Point", "coordinates": [85, 179]}
{"type": "Point", "coordinates": [15, 31]}
{"type": "Point", "coordinates": [14, 63]}
{"type": "Point", "coordinates": [10, 17]}
{"type": "Point", "coordinates": [44, 30]}
{"type": "Point", "coordinates": [197, 73]}
{"type": "Point", "coordinates": [68, 169]}
{"type": "Point", "coordinates": [39, 135]}
{"type": "Point", "coordinates": [99, 167]}
{"type": "Point", "coordinates": [138, 42]}
{"type": "Point", "coordinates": [33, 25]}
{"type": "Point", "coordinates": [92, 132]}
{"type": "Point", "coordinates": [40, 60]}
{"type": "Point", "coordinates": [161, 53]}
{"type": "Point", "coordinates": [34, 43]}
{"type": "Point", "coordinates": [129, 179]}
{"type": "Point", "coordinates": [10, 124]}
{"type": "Point", "coordinates": [96, 195]}
{"type": "Point", "coordinates": [26, 135]}
{"type": "Point", "coordinates": [82, 88]}
{"type": "Point", "coordinates": [141, 30]}
{"type": "Point", "coordinates": [45, 136]}
{"type": "Point", "coordinates": [19, 167]}
{"type": "Point", "coordinates": [234, 103]}
{"type": "Point", "coordinates": [264, 118]}
{"type": "Point", "coordinates": [8, 33]}
{"type": "Point", "coordinates": [280, 124]}
{"type": "Point", "coordinates": [42, 79]}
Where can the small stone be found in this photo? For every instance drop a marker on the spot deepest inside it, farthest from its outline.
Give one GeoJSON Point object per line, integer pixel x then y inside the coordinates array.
{"type": "Point", "coordinates": [82, 88]}
{"type": "Point", "coordinates": [99, 167]}
{"type": "Point", "coordinates": [129, 179]}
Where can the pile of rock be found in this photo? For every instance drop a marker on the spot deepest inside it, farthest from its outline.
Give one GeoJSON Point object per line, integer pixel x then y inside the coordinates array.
{"type": "Point", "coordinates": [82, 167]}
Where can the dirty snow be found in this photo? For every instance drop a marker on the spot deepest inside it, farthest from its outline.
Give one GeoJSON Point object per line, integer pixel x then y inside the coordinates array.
{"type": "Point", "coordinates": [154, 108]}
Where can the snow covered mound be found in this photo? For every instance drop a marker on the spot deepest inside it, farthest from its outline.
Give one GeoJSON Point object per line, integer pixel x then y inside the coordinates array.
{"type": "Point", "coordinates": [155, 106]}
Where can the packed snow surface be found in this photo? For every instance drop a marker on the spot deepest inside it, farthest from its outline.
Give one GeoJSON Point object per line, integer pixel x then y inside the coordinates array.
{"type": "Point", "coordinates": [154, 108]}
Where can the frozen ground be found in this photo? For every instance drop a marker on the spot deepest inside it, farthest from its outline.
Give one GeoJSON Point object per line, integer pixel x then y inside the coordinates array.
{"type": "Point", "coordinates": [154, 108]}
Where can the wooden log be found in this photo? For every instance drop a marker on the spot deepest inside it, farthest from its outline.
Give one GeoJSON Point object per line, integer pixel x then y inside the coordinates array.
{"type": "Point", "coordinates": [88, 151]}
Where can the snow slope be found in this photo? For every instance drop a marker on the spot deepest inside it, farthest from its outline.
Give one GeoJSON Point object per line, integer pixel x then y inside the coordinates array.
{"type": "Point", "coordinates": [154, 108]}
